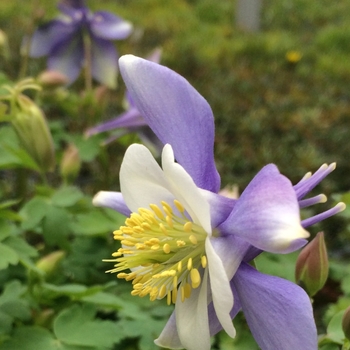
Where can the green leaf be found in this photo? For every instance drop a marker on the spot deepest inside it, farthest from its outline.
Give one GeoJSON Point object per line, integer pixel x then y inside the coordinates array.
{"type": "Point", "coordinates": [93, 223]}
{"type": "Point", "coordinates": [77, 326]}
{"type": "Point", "coordinates": [21, 247]}
{"type": "Point", "coordinates": [66, 196]}
{"type": "Point", "coordinates": [56, 226]}
{"type": "Point", "coordinates": [6, 229]}
{"type": "Point", "coordinates": [334, 329]}
{"type": "Point", "coordinates": [345, 285]}
{"type": "Point", "coordinates": [33, 212]}
{"type": "Point", "coordinates": [7, 256]}
{"type": "Point", "coordinates": [88, 148]}
{"type": "Point", "coordinates": [36, 338]}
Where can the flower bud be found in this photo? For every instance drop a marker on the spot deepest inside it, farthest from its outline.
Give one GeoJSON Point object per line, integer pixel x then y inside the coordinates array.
{"type": "Point", "coordinates": [52, 79]}
{"type": "Point", "coordinates": [346, 323]}
{"type": "Point", "coordinates": [4, 47]}
{"type": "Point", "coordinates": [32, 130]}
{"type": "Point", "coordinates": [312, 265]}
{"type": "Point", "coordinates": [49, 263]}
{"type": "Point", "coordinates": [70, 163]}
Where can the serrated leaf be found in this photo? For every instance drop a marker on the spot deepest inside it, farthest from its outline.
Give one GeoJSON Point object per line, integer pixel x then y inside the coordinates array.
{"type": "Point", "coordinates": [77, 326]}
{"type": "Point", "coordinates": [66, 196]}
{"type": "Point", "coordinates": [7, 256]}
{"type": "Point", "coordinates": [56, 226]}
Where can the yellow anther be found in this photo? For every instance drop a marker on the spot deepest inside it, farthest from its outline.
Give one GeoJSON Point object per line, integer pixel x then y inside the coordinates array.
{"type": "Point", "coordinates": [174, 296]}
{"type": "Point", "coordinates": [154, 291]}
{"type": "Point", "coordinates": [167, 206]}
{"type": "Point", "coordinates": [195, 278]}
{"type": "Point", "coordinates": [188, 226]}
{"type": "Point", "coordinates": [146, 226]}
{"type": "Point", "coordinates": [135, 292]}
{"type": "Point", "coordinates": [118, 238]}
{"type": "Point", "coordinates": [155, 247]}
{"type": "Point", "coordinates": [130, 276]}
{"type": "Point", "coordinates": [162, 227]}
{"type": "Point", "coordinates": [127, 230]}
{"type": "Point", "coordinates": [127, 243]}
{"type": "Point", "coordinates": [180, 243]}
{"type": "Point", "coordinates": [116, 254]}
{"type": "Point", "coordinates": [157, 211]}
{"type": "Point", "coordinates": [204, 261]}
{"type": "Point", "coordinates": [166, 248]}
{"type": "Point", "coordinates": [138, 286]}
{"type": "Point", "coordinates": [122, 275]}
{"type": "Point", "coordinates": [188, 289]}
{"type": "Point", "coordinates": [140, 246]}
{"type": "Point", "coordinates": [168, 298]}
{"type": "Point", "coordinates": [189, 264]}
{"type": "Point", "coordinates": [175, 282]}
{"type": "Point", "coordinates": [138, 229]}
{"type": "Point", "coordinates": [162, 291]}
{"type": "Point", "coordinates": [169, 221]}
{"type": "Point", "coordinates": [136, 280]}
{"type": "Point", "coordinates": [117, 232]}
{"type": "Point", "coordinates": [145, 291]}
{"type": "Point", "coordinates": [144, 211]}
{"type": "Point", "coordinates": [179, 266]}
{"type": "Point", "coordinates": [154, 240]}
{"type": "Point", "coordinates": [193, 239]}
{"type": "Point", "coordinates": [179, 206]}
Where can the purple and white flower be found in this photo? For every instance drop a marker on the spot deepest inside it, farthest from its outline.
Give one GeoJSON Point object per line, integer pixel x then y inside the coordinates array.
{"type": "Point", "coordinates": [186, 243]}
{"type": "Point", "coordinates": [79, 37]}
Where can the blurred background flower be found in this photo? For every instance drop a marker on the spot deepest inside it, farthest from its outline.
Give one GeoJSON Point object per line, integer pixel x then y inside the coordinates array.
{"type": "Point", "coordinates": [79, 38]}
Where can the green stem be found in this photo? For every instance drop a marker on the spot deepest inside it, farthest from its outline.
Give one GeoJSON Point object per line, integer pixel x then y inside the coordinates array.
{"type": "Point", "coordinates": [88, 62]}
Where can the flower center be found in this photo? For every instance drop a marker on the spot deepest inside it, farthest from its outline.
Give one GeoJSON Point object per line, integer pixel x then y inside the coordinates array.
{"type": "Point", "coordinates": [165, 252]}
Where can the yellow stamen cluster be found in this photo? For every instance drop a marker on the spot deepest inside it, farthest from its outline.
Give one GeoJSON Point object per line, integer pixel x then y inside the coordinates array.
{"type": "Point", "coordinates": [164, 251]}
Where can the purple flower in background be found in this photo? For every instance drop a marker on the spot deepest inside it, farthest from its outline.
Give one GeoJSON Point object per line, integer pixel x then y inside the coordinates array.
{"type": "Point", "coordinates": [79, 37]}
{"type": "Point", "coordinates": [184, 242]}
{"type": "Point", "coordinates": [131, 121]}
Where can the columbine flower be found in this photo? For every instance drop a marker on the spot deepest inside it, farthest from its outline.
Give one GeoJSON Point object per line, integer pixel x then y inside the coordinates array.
{"type": "Point", "coordinates": [131, 120]}
{"type": "Point", "coordinates": [188, 244]}
{"type": "Point", "coordinates": [79, 36]}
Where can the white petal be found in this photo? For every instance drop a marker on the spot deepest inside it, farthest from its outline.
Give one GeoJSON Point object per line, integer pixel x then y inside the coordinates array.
{"type": "Point", "coordinates": [142, 181]}
{"type": "Point", "coordinates": [220, 288]}
{"type": "Point", "coordinates": [192, 318]}
{"type": "Point", "coordinates": [185, 190]}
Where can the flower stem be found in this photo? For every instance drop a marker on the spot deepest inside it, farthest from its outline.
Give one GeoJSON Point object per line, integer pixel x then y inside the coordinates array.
{"type": "Point", "coordinates": [88, 62]}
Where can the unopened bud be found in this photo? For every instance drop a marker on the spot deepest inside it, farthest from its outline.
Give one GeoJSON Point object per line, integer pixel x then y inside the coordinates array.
{"type": "Point", "coordinates": [52, 79]}
{"type": "Point", "coordinates": [49, 263]}
{"type": "Point", "coordinates": [32, 130]}
{"type": "Point", "coordinates": [4, 47]}
{"type": "Point", "coordinates": [312, 265]}
{"type": "Point", "coordinates": [346, 323]}
{"type": "Point", "coordinates": [70, 163]}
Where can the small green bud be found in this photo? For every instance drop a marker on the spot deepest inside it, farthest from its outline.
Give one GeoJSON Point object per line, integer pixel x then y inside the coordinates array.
{"type": "Point", "coordinates": [346, 323]}
{"type": "Point", "coordinates": [49, 262]}
{"type": "Point", "coordinates": [311, 269]}
{"type": "Point", "coordinates": [32, 130]}
{"type": "Point", "coordinates": [70, 163]}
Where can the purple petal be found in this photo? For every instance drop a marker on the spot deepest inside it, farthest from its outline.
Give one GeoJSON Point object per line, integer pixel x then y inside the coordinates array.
{"type": "Point", "coordinates": [278, 312]}
{"type": "Point", "coordinates": [47, 36]}
{"type": "Point", "coordinates": [129, 119]}
{"type": "Point", "coordinates": [104, 62]}
{"type": "Point", "coordinates": [220, 207]}
{"type": "Point", "coordinates": [177, 114]}
{"type": "Point", "coordinates": [108, 26]}
{"type": "Point", "coordinates": [267, 214]}
{"type": "Point", "coordinates": [67, 57]}
{"type": "Point", "coordinates": [309, 181]}
{"type": "Point", "coordinates": [113, 200]}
